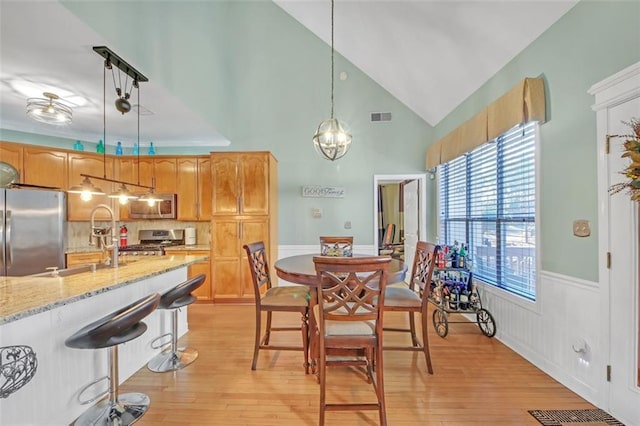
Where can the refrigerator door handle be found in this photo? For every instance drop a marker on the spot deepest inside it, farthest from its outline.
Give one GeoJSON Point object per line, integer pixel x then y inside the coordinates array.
{"type": "Point", "coordinates": [8, 239]}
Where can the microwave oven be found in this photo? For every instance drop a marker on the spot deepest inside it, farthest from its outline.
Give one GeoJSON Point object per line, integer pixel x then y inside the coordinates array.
{"type": "Point", "coordinates": [164, 209]}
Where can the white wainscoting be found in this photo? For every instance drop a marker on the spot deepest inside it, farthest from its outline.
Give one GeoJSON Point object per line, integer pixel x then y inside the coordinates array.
{"type": "Point", "coordinates": [566, 313]}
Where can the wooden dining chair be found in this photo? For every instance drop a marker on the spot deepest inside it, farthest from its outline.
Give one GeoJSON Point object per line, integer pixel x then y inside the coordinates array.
{"type": "Point", "coordinates": [272, 299]}
{"type": "Point", "coordinates": [336, 246]}
{"type": "Point", "coordinates": [348, 315]}
{"type": "Point", "coordinates": [414, 298]}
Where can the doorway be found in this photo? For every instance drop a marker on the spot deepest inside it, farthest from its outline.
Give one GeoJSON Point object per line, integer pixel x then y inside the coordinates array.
{"type": "Point", "coordinates": [411, 226]}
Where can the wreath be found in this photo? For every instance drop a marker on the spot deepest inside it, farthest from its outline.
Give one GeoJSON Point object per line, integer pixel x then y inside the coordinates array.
{"type": "Point", "coordinates": [632, 171]}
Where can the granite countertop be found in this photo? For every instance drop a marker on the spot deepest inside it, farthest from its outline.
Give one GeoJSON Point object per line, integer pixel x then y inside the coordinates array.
{"type": "Point", "coordinates": [21, 297]}
{"type": "Point", "coordinates": [193, 247]}
{"type": "Point", "coordinates": [95, 249]}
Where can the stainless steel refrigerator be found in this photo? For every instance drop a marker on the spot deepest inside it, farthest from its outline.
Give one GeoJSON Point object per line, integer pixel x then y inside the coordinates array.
{"type": "Point", "coordinates": [33, 229]}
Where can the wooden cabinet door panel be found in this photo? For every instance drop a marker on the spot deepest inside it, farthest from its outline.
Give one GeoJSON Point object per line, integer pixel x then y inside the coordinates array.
{"type": "Point", "coordinates": [225, 276]}
{"type": "Point", "coordinates": [145, 166]}
{"type": "Point", "coordinates": [204, 188]}
{"type": "Point", "coordinates": [224, 238]}
{"type": "Point", "coordinates": [204, 291]}
{"type": "Point", "coordinates": [90, 164]}
{"type": "Point", "coordinates": [165, 173]}
{"type": "Point", "coordinates": [255, 184]}
{"type": "Point", "coordinates": [224, 173]}
{"type": "Point", "coordinates": [45, 167]}
{"type": "Point", "coordinates": [12, 154]}
{"type": "Point", "coordinates": [252, 231]}
{"type": "Point", "coordinates": [187, 186]}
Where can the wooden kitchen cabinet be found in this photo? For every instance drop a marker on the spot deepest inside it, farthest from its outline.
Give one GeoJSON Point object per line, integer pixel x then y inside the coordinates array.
{"type": "Point", "coordinates": [204, 292]}
{"type": "Point", "coordinates": [165, 172]}
{"type": "Point", "coordinates": [12, 153]}
{"type": "Point", "coordinates": [230, 267]}
{"type": "Point", "coordinates": [241, 183]}
{"type": "Point", "coordinates": [95, 165]}
{"type": "Point", "coordinates": [79, 259]}
{"type": "Point", "coordinates": [244, 210]}
{"type": "Point", "coordinates": [45, 167]}
{"type": "Point", "coordinates": [194, 188]}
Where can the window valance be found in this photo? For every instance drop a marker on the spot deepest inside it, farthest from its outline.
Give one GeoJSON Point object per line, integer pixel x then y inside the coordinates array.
{"type": "Point", "coordinates": [524, 102]}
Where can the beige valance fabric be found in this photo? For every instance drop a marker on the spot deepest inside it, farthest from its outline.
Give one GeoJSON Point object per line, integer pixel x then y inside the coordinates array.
{"type": "Point", "coordinates": [524, 102]}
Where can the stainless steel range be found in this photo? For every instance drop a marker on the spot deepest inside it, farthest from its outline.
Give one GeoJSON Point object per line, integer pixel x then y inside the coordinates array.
{"type": "Point", "coordinates": [153, 242]}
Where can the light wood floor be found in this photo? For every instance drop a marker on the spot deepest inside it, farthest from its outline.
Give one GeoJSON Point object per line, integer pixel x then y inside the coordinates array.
{"type": "Point", "coordinates": [476, 381]}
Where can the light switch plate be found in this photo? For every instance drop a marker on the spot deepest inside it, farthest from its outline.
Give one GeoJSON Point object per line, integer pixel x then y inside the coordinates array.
{"type": "Point", "coordinates": [581, 228]}
{"type": "Point", "coordinates": [316, 213]}
{"type": "Point", "coordinates": [347, 224]}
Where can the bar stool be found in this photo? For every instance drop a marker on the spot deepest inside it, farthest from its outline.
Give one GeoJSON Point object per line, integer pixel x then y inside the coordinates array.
{"type": "Point", "coordinates": [109, 332]}
{"type": "Point", "coordinates": [175, 358]}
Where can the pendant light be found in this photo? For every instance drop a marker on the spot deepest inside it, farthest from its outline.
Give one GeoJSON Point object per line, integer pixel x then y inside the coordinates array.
{"type": "Point", "coordinates": [333, 137]}
{"type": "Point", "coordinates": [86, 190]}
{"type": "Point", "coordinates": [123, 194]}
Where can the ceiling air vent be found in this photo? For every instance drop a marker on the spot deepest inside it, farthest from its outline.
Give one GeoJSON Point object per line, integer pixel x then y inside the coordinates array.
{"type": "Point", "coordinates": [380, 116]}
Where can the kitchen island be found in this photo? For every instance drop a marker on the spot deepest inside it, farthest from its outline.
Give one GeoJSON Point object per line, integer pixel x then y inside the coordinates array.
{"type": "Point", "coordinates": [43, 311]}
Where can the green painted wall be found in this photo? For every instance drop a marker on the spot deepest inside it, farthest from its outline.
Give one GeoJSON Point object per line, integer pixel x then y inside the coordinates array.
{"type": "Point", "coordinates": [263, 80]}
{"type": "Point", "coordinates": [592, 41]}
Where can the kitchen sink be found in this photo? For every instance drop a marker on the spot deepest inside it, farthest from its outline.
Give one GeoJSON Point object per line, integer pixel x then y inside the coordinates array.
{"type": "Point", "coordinates": [92, 267]}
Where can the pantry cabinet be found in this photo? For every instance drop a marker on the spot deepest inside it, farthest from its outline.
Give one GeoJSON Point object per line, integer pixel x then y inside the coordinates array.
{"type": "Point", "coordinates": [244, 210]}
{"type": "Point", "coordinates": [231, 273]}
{"type": "Point", "coordinates": [194, 188]}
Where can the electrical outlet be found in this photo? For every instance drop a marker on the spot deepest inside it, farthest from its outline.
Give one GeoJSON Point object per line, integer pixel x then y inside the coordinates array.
{"type": "Point", "coordinates": [581, 228]}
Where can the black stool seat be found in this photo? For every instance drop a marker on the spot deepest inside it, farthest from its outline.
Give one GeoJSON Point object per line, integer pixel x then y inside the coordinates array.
{"type": "Point", "coordinates": [176, 358]}
{"type": "Point", "coordinates": [180, 295]}
{"type": "Point", "coordinates": [118, 327]}
{"type": "Point", "coordinates": [108, 332]}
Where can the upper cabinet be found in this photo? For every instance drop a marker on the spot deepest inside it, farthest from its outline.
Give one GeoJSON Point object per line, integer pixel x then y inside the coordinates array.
{"type": "Point", "coordinates": [90, 164]}
{"type": "Point", "coordinates": [194, 188]}
{"type": "Point", "coordinates": [44, 167]}
{"type": "Point", "coordinates": [240, 183]}
{"type": "Point", "coordinates": [12, 153]}
{"type": "Point", "coordinates": [165, 172]}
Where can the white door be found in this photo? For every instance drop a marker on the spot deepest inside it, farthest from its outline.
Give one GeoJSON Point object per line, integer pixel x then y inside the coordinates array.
{"type": "Point", "coordinates": [624, 301]}
{"type": "Point", "coordinates": [411, 222]}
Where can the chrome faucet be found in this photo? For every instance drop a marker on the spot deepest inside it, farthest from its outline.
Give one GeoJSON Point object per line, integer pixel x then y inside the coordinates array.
{"type": "Point", "coordinates": [114, 237]}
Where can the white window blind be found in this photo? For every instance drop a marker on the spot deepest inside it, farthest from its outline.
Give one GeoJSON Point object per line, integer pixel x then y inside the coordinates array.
{"type": "Point", "coordinates": [487, 200]}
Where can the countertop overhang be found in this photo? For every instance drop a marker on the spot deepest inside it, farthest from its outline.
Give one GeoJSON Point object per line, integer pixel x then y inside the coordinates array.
{"type": "Point", "coordinates": [21, 297]}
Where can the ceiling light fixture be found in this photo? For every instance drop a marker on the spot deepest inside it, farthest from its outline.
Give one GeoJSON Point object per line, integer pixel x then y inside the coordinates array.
{"type": "Point", "coordinates": [122, 194]}
{"type": "Point", "coordinates": [49, 110]}
{"type": "Point", "coordinates": [333, 137]}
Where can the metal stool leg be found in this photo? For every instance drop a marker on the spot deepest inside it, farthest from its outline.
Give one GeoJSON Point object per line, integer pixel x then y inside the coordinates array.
{"type": "Point", "coordinates": [175, 358]}
{"type": "Point", "coordinates": [117, 409]}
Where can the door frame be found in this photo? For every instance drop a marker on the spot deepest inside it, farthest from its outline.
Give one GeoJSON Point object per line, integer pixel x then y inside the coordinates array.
{"type": "Point", "coordinates": [610, 92]}
{"type": "Point", "coordinates": [422, 207]}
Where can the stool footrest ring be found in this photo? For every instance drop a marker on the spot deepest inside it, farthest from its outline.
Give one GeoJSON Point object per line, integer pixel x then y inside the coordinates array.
{"type": "Point", "coordinates": [95, 398]}
{"type": "Point", "coordinates": [155, 345]}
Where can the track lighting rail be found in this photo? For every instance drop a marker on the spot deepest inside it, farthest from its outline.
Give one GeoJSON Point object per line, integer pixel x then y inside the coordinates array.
{"type": "Point", "coordinates": [120, 63]}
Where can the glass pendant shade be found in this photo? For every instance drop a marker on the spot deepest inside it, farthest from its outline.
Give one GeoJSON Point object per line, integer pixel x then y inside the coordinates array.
{"type": "Point", "coordinates": [48, 110]}
{"type": "Point", "coordinates": [86, 190]}
{"type": "Point", "coordinates": [123, 194]}
{"type": "Point", "coordinates": [332, 139]}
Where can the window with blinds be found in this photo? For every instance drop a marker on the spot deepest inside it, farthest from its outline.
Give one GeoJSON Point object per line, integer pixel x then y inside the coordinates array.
{"type": "Point", "coordinates": [487, 200]}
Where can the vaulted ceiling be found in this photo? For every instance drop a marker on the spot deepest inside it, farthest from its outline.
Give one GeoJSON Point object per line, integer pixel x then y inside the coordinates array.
{"type": "Point", "coordinates": [430, 55]}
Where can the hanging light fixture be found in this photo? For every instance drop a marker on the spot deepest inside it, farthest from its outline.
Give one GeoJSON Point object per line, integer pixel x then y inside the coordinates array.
{"type": "Point", "coordinates": [123, 194]}
{"type": "Point", "coordinates": [86, 190]}
{"type": "Point", "coordinates": [49, 110]}
{"type": "Point", "coordinates": [333, 137]}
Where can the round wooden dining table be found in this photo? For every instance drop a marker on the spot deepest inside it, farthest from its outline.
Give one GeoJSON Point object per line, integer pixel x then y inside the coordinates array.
{"type": "Point", "coordinates": [301, 270]}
